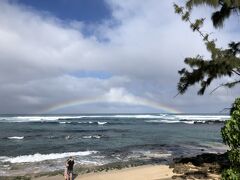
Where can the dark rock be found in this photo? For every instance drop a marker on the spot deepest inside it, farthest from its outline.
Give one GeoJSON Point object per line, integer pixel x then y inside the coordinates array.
{"type": "Point", "coordinates": [200, 166]}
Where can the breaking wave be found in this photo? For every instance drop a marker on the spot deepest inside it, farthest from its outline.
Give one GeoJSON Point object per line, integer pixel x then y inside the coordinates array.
{"type": "Point", "coordinates": [101, 123]}
{"type": "Point", "coordinates": [161, 118]}
{"type": "Point", "coordinates": [43, 157]}
{"type": "Point", "coordinates": [16, 137]}
{"type": "Point", "coordinates": [92, 137]}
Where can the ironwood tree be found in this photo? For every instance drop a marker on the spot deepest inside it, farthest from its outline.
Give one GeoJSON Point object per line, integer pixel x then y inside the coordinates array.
{"type": "Point", "coordinates": [222, 62]}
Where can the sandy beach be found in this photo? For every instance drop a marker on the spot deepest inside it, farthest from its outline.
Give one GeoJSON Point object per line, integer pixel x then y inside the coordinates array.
{"type": "Point", "coordinates": [148, 172]}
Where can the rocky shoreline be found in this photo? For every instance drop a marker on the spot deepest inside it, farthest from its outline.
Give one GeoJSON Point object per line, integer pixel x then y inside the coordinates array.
{"type": "Point", "coordinates": [204, 166]}
{"type": "Point", "coordinates": [92, 169]}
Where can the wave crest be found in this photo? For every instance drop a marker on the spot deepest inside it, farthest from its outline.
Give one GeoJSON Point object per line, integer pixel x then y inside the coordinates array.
{"type": "Point", "coordinates": [43, 157]}
{"type": "Point", "coordinates": [16, 137]}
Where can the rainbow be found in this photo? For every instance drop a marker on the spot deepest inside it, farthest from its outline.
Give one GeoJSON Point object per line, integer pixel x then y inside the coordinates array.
{"type": "Point", "coordinates": [129, 101]}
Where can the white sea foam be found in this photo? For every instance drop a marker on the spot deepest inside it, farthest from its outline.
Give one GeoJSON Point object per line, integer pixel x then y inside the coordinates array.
{"type": "Point", "coordinates": [149, 154]}
{"type": "Point", "coordinates": [3, 158]}
{"type": "Point", "coordinates": [34, 118]}
{"type": "Point", "coordinates": [101, 123]}
{"type": "Point", "coordinates": [90, 137]}
{"type": "Point", "coordinates": [145, 116]}
{"type": "Point", "coordinates": [37, 118]}
{"type": "Point", "coordinates": [188, 119]}
{"type": "Point", "coordinates": [16, 137]}
{"type": "Point", "coordinates": [87, 137]}
{"type": "Point", "coordinates": [85, 122]}
{"type": "Point", "coordinates": [162, 121]}
{"type": "Point", "coordinates": [67, 137]}
{"type": "Point", "coordinates": [43, 157]}
{"type": "Point", "coordinates": [97, 136]}
{"type": "Point", "coordinates": [171, 121]}
{"type": "Point", "coordinates": [168, 121]}
{"type": "Point", "coordinates": [64, 122]}
{"type": "Point", "coordinates": [138, 116]}
{"type": "Point", "coordinates": [189, 122]}
{"type": "Point", "coordinates": [203, 117]}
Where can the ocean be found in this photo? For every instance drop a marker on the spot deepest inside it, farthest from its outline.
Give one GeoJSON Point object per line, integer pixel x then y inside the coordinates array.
{"type": "Point", "coordinates": [42, 143]}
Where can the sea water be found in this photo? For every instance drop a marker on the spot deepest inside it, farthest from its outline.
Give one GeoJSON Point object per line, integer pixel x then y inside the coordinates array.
{"type": "Point", "coordinates": [33, 144]}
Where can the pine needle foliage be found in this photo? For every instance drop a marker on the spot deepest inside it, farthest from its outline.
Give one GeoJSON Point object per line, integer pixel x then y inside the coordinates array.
{"type": "Point", "coordinates": [224, 9]}
{"type": "Point", "coordinates": [223, 62]}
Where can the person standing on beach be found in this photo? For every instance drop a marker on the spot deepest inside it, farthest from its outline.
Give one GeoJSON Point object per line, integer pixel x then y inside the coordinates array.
{"type": "Point", "coordinates": [69, 169]}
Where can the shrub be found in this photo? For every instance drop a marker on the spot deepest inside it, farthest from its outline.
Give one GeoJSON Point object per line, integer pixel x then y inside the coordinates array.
{"type": "Point", "coordinates": [231, 137]}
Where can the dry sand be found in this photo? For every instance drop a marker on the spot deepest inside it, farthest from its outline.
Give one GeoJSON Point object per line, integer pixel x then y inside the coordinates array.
{"type": "Point", "coordinates": [149, 172]}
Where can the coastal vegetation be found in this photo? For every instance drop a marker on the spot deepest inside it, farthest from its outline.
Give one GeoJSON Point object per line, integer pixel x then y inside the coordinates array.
{"type": "Point", "coordinates": [231, 137]}
{"type": "Point", "coordinates": [222, 63]}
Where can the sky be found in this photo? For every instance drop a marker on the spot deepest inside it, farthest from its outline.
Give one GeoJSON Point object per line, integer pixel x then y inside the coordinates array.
{"type": "Point", "coordinates": [102, 56]}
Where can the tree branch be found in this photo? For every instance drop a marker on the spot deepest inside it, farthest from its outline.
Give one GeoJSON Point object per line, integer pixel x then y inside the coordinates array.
{"type": "Point", "coordinates": [226, 84]}
{"type": "Point", "coordinates": [225, 110]}
{"type": "Point", "coordinates": [236, 72]}
{"type": "Point", "coordinates": [221, 85]}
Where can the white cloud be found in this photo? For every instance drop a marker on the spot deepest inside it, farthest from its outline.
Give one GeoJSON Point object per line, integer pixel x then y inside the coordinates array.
{"type": "Point", "coordinates": [143, 52]}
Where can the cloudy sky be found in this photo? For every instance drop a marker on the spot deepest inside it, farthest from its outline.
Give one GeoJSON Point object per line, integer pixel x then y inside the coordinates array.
{"type": "Point", "coordinates": [101, 56]}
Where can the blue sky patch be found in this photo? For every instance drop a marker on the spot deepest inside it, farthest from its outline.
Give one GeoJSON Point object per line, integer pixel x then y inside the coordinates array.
{"type": "Point", "coordinates": [91, 74]}
{"type": "Point", "coordinates": [88, 11]}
